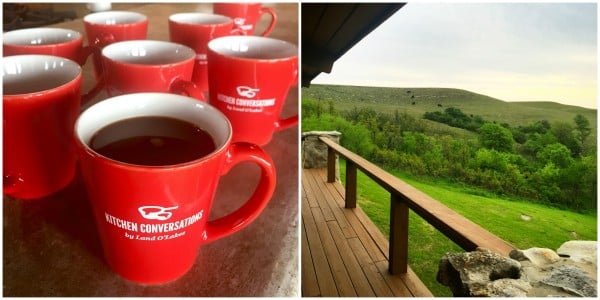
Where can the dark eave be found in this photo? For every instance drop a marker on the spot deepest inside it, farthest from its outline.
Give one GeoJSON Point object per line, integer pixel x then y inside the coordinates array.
{"type": "Point", "coordinates": [329, 30]}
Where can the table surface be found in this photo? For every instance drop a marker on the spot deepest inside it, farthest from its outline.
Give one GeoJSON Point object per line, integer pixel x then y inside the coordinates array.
{"type": "Point", "coordinates": [51, 247]}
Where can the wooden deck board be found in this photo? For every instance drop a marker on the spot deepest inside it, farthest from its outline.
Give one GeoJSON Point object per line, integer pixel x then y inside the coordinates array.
{"type": "Point", "coordinates": [309, 275]}
{"type": "Point", "coordinates": [330, 197]}
{"type": "Point", "coordinates": [321, 200]}
{"type": "Point", "coordinates": [311, 200]}
{"type": "Point", "coordinates": [326, 286]}
{"type": "Point", "coordinates": [345, 254]}
{"type": "Point", "coordinates": [338, 269]}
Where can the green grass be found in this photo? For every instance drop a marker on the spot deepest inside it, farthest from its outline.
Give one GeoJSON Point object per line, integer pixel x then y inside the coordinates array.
{"type": "Point", "coordinates": [549, 227]}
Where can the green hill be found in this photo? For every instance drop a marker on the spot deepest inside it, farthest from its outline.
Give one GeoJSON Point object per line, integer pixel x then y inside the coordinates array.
{"type": "Point", "coordinates": [417, 101]}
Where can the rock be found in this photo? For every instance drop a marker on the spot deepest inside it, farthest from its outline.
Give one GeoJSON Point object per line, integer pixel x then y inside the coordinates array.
{"type": "Point", "coordinates": [314, 152]}
{"type": "Point", "coordinates": [504, 288]}
{"type": "Point", "coordinates": [525, 217]}
{"type": "Point", "coordinates": [573, 280]}
{"type": "Point", "coordinates": [541, 256]}
{"type": "Point", "coordinates": [534, 272]}
{"type": "Point", "coordinates": [472, 273]}
{"type": "Point", "coordinates": [580, 251]}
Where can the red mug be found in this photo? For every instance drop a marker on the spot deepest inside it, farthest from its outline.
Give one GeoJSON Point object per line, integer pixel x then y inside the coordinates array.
{"type": "Point", "coordinates": [48, 41]}
{"type": "Point", "coordinates": [149, 66]}
{"type": "Point", "coordinates": [246, 15]}
{"type": "Point", "coordinates": [104, 28]}
{"type": "Point", "coordinates": [152, 220]}
{"type": "Point", "coordinates": [195, 30]}
{"type": "Point", "coordinates": [249, 79]}
{"type": "Point", "coordinates": [40, 103]}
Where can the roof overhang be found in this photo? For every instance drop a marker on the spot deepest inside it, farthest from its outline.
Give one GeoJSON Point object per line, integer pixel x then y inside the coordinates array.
{"type": "Point", "coordinates": [330, 29]}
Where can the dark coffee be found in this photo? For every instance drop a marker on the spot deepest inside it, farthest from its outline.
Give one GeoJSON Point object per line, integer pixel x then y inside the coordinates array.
{"type": "Point", "coordinates": [152, 141]}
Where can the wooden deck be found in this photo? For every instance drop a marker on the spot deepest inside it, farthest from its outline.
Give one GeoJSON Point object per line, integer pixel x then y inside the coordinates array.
{"type": "Point", "coordinates": [343, 253]}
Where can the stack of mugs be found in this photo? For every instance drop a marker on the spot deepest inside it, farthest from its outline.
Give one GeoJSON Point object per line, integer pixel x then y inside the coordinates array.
{"type": "Point", "coordinates": [179, 114]}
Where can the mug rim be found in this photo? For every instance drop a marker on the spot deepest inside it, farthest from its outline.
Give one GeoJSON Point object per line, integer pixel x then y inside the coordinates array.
{"type": "Point", "coordinates": [45, 92]}
{"type": "Point", "coordinates": [224, 19]}
{"type": "Point", "coordinates": [140, 100]}
{"type": "Point", "coordinates": [238, 4]}
{"type": "Point", "coordinates": [254, 39]}
{"type": "Point", "coordinates": [189, 56]}
{"type": "Point", "coordinates": [94, 18]}
{"type": "Point", "coordinates": [13, 34]}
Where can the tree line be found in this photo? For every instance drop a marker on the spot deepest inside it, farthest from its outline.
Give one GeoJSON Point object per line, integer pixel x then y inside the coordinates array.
{"type": "Point", "coordinates": [551, 163]}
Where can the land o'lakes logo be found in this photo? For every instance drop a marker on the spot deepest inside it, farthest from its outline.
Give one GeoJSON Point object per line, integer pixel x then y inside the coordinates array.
{"type": "Point", "coordinates": [155, 212]}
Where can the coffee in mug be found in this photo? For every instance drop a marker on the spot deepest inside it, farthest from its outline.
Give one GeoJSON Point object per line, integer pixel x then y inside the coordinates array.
{"type": "Point", "coordinates": [152, 141]}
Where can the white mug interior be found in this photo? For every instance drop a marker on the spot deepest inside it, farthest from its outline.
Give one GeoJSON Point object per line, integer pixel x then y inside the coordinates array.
{"type": "Point", "coordinates": [114, 18]}
{"type": "Point", "coordinates": [27, 74]}
{"type": "Point", "coordinates": [200, 19]}
{"type": "Point", "coordinates": [129, 106]}
{"type": "Point", "coordinates": [148, 52]}
{"type": "Point", "coordinates": [253, 47]}
{"type": "Point", "coordinates": [39, 36]}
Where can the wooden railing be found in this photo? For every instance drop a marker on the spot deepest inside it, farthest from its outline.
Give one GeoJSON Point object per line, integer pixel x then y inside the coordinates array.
{"type": "Point", "coordinates": [459, 229]}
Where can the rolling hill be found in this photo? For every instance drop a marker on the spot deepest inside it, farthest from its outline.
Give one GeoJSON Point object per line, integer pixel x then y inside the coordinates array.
{"type": "Point", "coordinates": [417, 101]}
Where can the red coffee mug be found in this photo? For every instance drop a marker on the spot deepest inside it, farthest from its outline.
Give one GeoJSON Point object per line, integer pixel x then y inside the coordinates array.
{"type": "Point", "coordinates": [104, 28]}
{"type": "Point", "coordinates": [195, 30]}
{"type": "Point", "coordinates": [249, 79]}
{"type": "Point", "coordinates": [40, 103]}
{"type": "Point", "coordinates": [153, 219]}
{"type": "Point", "coordinates": [246, 15]}
{"type": "Point", "coordinates": [149, 66]}
{"type": "Point", "coordinates": [49, 41]}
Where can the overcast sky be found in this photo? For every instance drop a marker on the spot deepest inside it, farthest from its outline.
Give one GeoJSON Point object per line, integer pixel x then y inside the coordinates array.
{"type": "Point", "coordinates": [513, 52]}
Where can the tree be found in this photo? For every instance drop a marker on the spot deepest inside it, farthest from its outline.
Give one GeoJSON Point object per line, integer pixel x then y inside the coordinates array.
{"type": "Point", "coordinates": [582, 124]}
{"type": "Point", "coordinates": [490, 159]}
{"type": "Point", "coordinates": [496, 137]}
{"type": "Point", "coordinates": [556, 153]}
{"type": "Point", "coordinates": [311, 108]}
{"type": "Point", "coordinates": [566, 135]}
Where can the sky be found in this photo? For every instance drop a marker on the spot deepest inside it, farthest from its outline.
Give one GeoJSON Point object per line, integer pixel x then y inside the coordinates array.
{"type": "Point", "coordinates": [509, 51]}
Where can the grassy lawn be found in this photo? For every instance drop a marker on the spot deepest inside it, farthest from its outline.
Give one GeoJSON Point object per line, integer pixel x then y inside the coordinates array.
{"type": "Point", "coordinates": [548, 227]}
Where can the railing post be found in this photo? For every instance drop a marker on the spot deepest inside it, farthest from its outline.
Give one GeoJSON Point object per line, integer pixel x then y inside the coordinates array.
{"type": "Point", "coordinates": [350, 184]}
{"type": "Point", "coordinates": [330, 164]}
{"type": "Point", "coordinates": [398, 235]}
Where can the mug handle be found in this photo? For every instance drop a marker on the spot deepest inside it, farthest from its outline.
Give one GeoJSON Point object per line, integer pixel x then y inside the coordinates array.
{"type": "Point", "coordinates": [286, 123]}
{"type": "Point", "coordinates": [243, 216]}
{"type": "Point", "coordinates": [96, 49]}
{"type": "Point", "coordinates": [186, 88]}
{"type": "Point", "coordinates": [268, 10]}
{"type": "Point", "coordinates": [282, 124]}
{"type": "Point", "coordinates": [85, 98]}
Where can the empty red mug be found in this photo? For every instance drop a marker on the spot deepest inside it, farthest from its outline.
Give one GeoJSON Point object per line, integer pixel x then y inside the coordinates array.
{"type": "Point", "coordinates": [107, 27]}
{"type": "Point", "coordinates": [40, 102]}
{"type": "Point", "coordinates": [149, 66]}
{"type": "Point", "coordinates": [246, 15]}
{"type": "Point", "coordinates": [48, 41]}
{"type": "Point", "coordinates": [195, 30]}
{"type": "Point", "coordinates": [152, 220]}
{"type": "Point", "coordinates": [249, 80]}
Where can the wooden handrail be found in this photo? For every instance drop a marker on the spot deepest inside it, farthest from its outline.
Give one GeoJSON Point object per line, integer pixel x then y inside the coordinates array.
{"type": "Point", "coordinates": [453, 225]}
